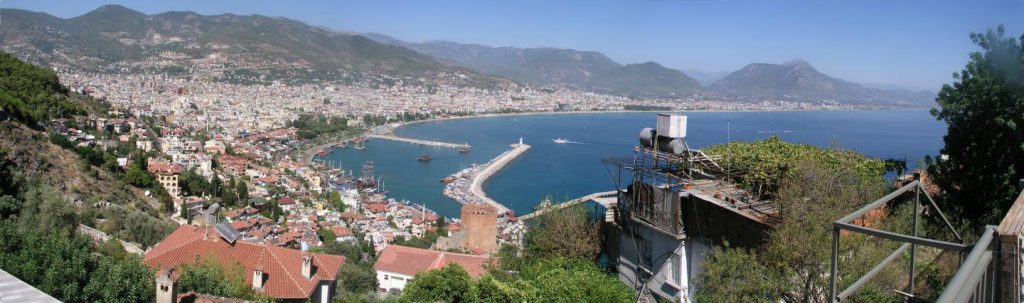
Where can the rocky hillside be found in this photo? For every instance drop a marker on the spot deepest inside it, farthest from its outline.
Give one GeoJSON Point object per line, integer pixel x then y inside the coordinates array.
{"type": "Point", "coordinates": [114, 38]}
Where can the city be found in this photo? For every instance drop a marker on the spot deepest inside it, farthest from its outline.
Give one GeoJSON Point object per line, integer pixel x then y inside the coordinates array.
{"type": "Point", "coordinates": [156, 154]}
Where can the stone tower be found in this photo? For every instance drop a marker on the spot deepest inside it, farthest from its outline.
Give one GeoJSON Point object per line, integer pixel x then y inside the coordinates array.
{"type": "Point", "coordinates": [480, 222]}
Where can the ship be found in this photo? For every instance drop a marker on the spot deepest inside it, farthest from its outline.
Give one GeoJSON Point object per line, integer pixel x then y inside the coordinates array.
{"type": "Point", "coordinates": [424, 158]}
{"type": "Point", "coordinates": [560, 140]}
{"type": "Point", "coordinates": [448, 179]}
{"type": "Point", "coordinates": [464, 150]}
{"type": "Point", "coordinates": [359, 145]}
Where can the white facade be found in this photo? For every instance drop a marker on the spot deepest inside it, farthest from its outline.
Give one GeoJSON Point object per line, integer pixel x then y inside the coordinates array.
{"type": "Point", "coordinates": [389, 281]}
{"type": "Point", "coordinates": [668, 265]}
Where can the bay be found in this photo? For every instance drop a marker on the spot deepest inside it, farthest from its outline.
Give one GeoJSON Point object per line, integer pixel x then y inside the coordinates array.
{"type": "Point", "coordinates": [574, 169]}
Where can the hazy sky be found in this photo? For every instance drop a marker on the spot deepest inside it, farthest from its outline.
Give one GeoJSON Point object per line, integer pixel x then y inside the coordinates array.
{"type": "Point", "coordinates": [912, 43]}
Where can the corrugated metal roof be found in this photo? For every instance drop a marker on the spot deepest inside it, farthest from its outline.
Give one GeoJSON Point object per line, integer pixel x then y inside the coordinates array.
{"type": "Point", "coordinates": [13, 289]}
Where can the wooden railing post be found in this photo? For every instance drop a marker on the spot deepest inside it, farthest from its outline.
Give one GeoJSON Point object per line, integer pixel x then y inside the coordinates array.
{"type": "Point", "coordinates": [1010, 232]}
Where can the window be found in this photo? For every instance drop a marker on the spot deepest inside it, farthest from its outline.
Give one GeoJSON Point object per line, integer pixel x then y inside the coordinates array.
{"type": "Point", "coordinates": [385, 277]}
{"type": "Point", "coordinates": [673, 269]}
{"type": "Point", "coordinates": [645, 253]}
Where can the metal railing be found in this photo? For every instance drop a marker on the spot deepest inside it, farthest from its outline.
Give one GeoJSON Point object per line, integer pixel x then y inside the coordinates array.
{"type": "Point", "coordinates": [977, 280]}
{"type": "Point", "coordinates": [910, 241]}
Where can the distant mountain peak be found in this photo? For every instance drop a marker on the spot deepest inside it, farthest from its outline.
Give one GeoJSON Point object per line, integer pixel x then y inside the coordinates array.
{"type": "Point", "coordinates": [796, 62]}
{"type": "Point", "coordinates": [797, 80]}
{"type": "Point", "coordinates": [114, 10]}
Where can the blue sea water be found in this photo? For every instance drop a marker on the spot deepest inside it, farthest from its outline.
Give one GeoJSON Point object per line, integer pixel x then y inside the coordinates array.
{"type": "Point", "coordinates": [575, 169]}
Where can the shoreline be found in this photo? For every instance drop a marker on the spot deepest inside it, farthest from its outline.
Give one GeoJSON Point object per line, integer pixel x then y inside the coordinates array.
{"type": "Point", "coordinates": [477, 180]}
{"type": "Point", "coordinates": [390, 128]}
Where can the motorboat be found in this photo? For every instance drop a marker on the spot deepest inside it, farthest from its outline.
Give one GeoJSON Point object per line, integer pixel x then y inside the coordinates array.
{"type": "Point", "coordinates": [561, 141]}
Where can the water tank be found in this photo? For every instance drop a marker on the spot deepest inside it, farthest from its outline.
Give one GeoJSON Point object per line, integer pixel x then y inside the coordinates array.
{"type": "Point", "coordinates": [672, 125]}
{"type": "Point", "coordinates": [665, 144]}
{"type": "Point", "coordinates": [647, 136]}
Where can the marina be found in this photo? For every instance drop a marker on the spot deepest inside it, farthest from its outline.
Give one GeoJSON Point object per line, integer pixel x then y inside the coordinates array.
{"type": "Point", "coordinates": [466, 186]}
{"type": "Point", "coordinates": [461, 147]}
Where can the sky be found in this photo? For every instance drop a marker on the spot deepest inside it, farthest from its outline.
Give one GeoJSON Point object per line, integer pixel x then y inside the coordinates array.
{"type": "Point", "coordinates": [915, 44]}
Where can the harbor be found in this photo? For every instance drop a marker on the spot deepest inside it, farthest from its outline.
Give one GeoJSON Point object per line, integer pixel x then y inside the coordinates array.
{"type": "Point", "coordinates": [466, 186]}
{"type": "Point", "coordinates": [419, 142]}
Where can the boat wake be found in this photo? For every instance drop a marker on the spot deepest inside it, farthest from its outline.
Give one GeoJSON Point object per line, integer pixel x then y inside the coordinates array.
{"type": "Point", "coordinates": [777, 131]}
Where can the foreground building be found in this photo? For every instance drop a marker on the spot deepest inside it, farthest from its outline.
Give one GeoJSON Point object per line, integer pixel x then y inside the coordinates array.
{"type": "Point", "coordinates": [279, 273]}
{"type": "Point", "coordinates": [397, 265]}
{"type": "Point", "coordinates": [674, 210]}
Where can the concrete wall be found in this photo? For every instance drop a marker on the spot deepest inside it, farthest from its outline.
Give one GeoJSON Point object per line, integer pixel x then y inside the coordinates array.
{"type": "Point", "coordinates": [665, 256]}
{"type": "Point", "coordinates": [389, 280]}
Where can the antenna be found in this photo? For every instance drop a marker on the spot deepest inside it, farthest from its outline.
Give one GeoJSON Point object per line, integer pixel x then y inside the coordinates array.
{"type": "Point", "coordinates": [728, 139]}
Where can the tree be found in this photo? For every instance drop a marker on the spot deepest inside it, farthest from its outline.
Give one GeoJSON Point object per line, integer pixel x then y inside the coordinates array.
{"type": "Point", "coordinates": [121, 280]}
{"type": "Point", "coordinates": [580, 279]}
{"type": "Point", "coordinates": [736, 275]}
{"type": "Point", "coordinates": [138, 177]}
{"type": "Point", "coordinates": [568, 232]}
{"type": "Point", "coordinates": [793, 265]}
{"type": "Point", "coordinates": [984, 110]}
{"type": "Point", "coordinates": [242, 192]}
{"type": "Point", "coordinates": [451, 283]}
{"type": "Point", "coordinates": [208, 277]}
{"type": "Point", "coordinates": [56, 261]}
{"type": "Point", "coordinates": [357, 278]}
{"type": "Point", "coordinates": [9, 206]}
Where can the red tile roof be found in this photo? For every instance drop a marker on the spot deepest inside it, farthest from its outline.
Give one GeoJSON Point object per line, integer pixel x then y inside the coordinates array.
{"type": "Point", "coordinates": [282, 266]}
{"type": "Point", "coordinates": [377, 208]}
{"type": "Point", "coordinates": [411, 261]}
{"type": "Point", "coordinates": [341, 231]}
{"type": "Point", "coordinates": [285, 201]}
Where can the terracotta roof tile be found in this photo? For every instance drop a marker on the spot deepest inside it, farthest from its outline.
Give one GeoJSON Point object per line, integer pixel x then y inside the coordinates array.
{"type": "Point", "coordinates": [411, 261]}
{"type": "Point", "coordinates": [282, 266]}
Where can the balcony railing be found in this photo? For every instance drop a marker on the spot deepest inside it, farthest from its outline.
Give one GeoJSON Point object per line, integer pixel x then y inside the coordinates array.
{"type": "Point", "coordinates": [656, 207]}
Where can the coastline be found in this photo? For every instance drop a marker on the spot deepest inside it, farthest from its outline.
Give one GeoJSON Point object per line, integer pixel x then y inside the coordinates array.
{"type": "Point", "coordinates": [477, 181]}
{"type": "Point", "coordinates": [389, 129]}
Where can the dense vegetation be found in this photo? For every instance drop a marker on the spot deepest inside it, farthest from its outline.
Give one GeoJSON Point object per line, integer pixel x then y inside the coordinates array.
{"type": "Point", "coordinates": [314, 126]}
{"type": "Point", "coordinates": [550, 268]}
{"type": "Point", "coordinates": [793, 265]}
{"type": "Point", "coordinates": [30, 94]}
{"type": "Point", "coordinates": [984, 109]}
{"type": "Point", "coordinates": [40, 244]}
{"type": "Point", "coordinates": [761, 165]}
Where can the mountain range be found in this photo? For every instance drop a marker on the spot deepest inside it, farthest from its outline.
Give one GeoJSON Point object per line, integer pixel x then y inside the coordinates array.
{"type": "Point", "coordinates": [586, 70]}
{"type": "Point", "coordinates": [794, 80]}
{"type": "Point", "coordinates": [116, 39]}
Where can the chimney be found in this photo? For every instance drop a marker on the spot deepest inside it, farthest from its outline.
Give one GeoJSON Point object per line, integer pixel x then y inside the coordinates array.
{"type": "Point", "coordinates": [257, 278]}
{"type": "Point", "coordinates": [307, 266]}
{"type": "Point", "coordinates": [166, 290]}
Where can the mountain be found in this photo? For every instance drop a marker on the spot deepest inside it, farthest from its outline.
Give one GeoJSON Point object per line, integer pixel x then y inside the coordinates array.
{"type": "Point", "coordinates": [705, 78]}
{"type": "Point", "coordinates": [798, 80]}
{"type": "Point", "coordinates": [559, 67]}
{"type": "Point", "coordinates": [114, 38]}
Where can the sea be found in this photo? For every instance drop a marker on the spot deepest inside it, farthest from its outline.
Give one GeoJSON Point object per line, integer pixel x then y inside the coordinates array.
{"type": "Point", "coordinates": [574, 169]}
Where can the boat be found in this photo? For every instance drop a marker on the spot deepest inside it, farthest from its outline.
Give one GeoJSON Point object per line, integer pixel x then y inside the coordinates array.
{"type": "Point", "coordinates": [448, 179]}
{"type": "Point", "coordinates": [359, 145]}
{"type": "Point", "coordinates": [560, 140]}
{"type": "Point", "coordinates": [464, 150]}
{"type": "Point", "coordinates": [424, 158]}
